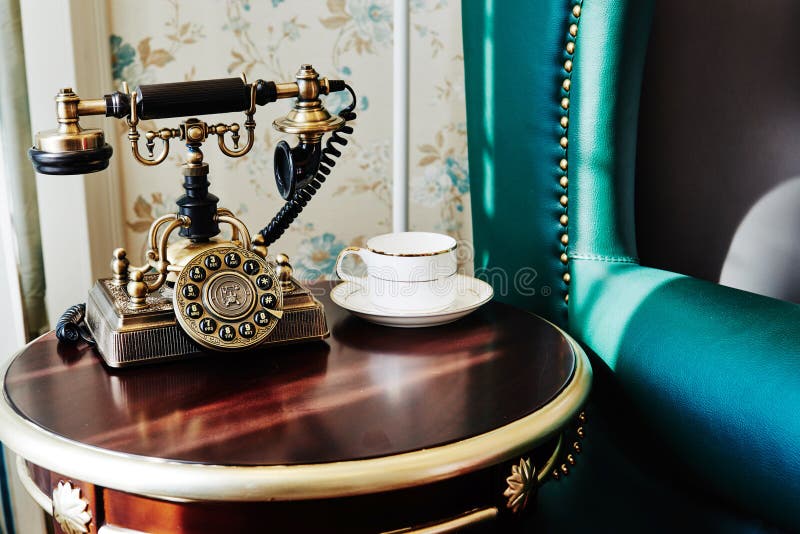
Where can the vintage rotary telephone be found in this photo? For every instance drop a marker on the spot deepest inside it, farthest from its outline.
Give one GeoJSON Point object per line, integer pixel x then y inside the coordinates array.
{"type": "Point", "coordinates": [200, 291]}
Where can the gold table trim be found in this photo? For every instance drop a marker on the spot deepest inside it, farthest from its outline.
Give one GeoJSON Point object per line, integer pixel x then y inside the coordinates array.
{"type": "Point", "coordinates": [181, 481]}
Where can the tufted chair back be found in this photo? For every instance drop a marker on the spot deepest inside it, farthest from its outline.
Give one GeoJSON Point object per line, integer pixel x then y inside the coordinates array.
{"type": "Point", "coordinates": [535, 124]}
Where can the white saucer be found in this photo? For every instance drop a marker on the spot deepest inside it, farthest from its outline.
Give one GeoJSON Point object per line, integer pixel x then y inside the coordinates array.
{"type": "Point", "coordinates": [471, 295]}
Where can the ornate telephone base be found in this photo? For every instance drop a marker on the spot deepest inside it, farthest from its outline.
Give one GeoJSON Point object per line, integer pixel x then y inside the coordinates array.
{"type": "Point", "coordinates": [201, 291]}
{"type": "Point", "coordinates": [128, 336]}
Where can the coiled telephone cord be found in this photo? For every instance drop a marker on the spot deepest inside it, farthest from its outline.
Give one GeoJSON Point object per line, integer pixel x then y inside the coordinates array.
{"type": "Point", "coordinates": [289, 212]}
{"type": "Point", "coordinates": [69, 328]}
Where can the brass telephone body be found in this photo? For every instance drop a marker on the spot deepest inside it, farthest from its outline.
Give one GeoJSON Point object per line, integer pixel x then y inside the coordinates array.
{"type": "Point", "coordinates": [201, 291]}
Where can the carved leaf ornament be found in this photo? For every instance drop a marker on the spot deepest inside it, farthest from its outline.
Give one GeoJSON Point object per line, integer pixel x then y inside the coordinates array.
{"type": "Point", "coordinates": [521, 484]}
{"type": "Point", "coordinates": [69, 510]}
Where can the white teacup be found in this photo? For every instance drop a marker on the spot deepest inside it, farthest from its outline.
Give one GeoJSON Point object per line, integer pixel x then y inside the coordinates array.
{"type": "Point", "coordinates": [407, 271]}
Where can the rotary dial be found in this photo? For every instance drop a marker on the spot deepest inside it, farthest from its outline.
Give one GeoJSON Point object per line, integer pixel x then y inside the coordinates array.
{"type": "Point", "coordinates": [228, 298]}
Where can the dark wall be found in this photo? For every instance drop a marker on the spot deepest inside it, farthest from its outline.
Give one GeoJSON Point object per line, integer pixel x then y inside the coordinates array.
{"type": "Point", "coordinates": [719, 126]}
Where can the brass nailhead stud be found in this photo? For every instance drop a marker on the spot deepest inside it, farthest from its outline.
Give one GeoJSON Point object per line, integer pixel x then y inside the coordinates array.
{"type": "Point", "coordinates": [566, 84]}
{"type": "Point", "coordinates": [582, 417]}
{"type": "Point", "coordinates": [580, 432]}
{"type": "Point", "coordinates": [564, 469]}
{"type": "Point", "coordinates": [577, 447]}
{"type": "Point", "coordinates": [556, 474]}
{"type": "Point", "coordinates": [570, 459]}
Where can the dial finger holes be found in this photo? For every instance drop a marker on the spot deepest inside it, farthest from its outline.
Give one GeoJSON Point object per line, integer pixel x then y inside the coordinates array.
{"type": "Point", "coordinates": [264, 282]}
{"type": "Point", "coordinates": [261, 318]}
{"type": "Point", "coordinates": [194, 311]}
{"type": "Point", "coordinates": [268, 300]}
{"type": "Point", "coordinates": [247, 330]}
{"type": "Point", "coordinates": [197, 273]}
{"type": "Point", "coordinates": [233, 260]}
{"type": "Point", "coordinates": [190, 291]}
{"type": "Point", "coordinates": [227, 333]}
{"type": "Point", "coordinates": [252, 268]}
{"type": "Point", "coordinates": [224, 298]}
{"type": "Point", "coordinates": [208, 325]}
{"type": "Point", "coordinates": [212, 262]}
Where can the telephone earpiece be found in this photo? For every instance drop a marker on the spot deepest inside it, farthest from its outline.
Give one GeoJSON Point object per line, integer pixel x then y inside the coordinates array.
{"type": "Point", "coordinates": [301, 171]}
{"type": "Point", "coordinates": [296, 166]}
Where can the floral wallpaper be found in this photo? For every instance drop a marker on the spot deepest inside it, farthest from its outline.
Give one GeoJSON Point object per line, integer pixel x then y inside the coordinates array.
{"type": "Point", "coordinates": [172, 40]}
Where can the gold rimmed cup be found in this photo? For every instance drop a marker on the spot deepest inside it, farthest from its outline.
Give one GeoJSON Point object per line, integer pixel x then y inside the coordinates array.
{"type": "Point", "coordinates": [406, 271]}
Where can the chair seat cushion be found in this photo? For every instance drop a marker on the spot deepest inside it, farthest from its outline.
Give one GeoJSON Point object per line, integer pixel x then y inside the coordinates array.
{"type": "Point", "coordinates": [625, 480]}
{"type": "Point", "coordinates": [716, 370]}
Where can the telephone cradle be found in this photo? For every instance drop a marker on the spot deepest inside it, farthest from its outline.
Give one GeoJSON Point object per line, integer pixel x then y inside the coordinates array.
{"type": "Point", "coordinates": [200, 291]}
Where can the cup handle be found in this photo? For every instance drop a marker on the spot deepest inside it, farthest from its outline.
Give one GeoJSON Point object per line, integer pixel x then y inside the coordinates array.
{"type": "Point", "coordinates": [360, 280]}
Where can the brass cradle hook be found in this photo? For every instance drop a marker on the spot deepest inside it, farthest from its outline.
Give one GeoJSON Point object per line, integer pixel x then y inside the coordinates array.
{"type": "Point", "coordinates": [250, 125]}
{"type": "Point", "coordinates": [189, 131]}
{"type": "Point", "coordinates": [165, 134]}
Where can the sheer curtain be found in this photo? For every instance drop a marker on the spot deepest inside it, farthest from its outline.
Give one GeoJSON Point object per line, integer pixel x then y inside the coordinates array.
{"type": "Point", "coordinates": [22, 310]}
{"type": "Point", "coordinates": [16, 171]}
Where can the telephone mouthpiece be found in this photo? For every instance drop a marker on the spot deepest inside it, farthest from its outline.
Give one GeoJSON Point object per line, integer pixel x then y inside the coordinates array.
{"type": "Point", "coordinates": [69, 149]}
{"type": "Point", "coordinates": [70, 152]}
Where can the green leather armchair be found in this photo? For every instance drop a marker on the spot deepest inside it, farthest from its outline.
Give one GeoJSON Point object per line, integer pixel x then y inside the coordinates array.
{"type": "Point", "coordinates": [694, 421]}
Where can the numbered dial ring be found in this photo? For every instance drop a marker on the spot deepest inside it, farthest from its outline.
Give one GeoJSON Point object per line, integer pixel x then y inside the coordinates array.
{"type": "Point", "coordinates": [228, 298]}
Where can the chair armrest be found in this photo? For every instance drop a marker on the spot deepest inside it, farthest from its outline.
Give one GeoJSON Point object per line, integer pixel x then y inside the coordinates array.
{"type": "Point", "coordinates": [716, 370]}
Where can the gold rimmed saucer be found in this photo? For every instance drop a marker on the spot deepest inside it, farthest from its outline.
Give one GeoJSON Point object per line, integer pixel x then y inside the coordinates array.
{"type": "Point", "coordinates": [471, 294]}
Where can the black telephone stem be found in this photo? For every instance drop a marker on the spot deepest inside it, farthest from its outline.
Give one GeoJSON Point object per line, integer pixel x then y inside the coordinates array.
{"type": "Point", "coordinates": [300, 197]}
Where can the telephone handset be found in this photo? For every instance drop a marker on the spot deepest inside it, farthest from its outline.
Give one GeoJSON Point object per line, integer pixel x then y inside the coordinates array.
{"type": "Point", "coordinates": [200, 291]}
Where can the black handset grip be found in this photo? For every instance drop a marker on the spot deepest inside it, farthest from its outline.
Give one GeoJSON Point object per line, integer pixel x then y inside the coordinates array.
{"type": "Point", "coordinates": [182, 99]}
{"type": "Point", "coordinates": [162, 100]}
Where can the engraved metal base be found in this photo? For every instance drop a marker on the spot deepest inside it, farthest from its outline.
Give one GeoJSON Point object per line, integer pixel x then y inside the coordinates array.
{"type": "Point", "coordinates": [126, 336]}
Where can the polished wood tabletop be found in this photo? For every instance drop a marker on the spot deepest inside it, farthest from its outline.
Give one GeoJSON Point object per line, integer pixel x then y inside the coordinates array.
{"type": "Point", "coordinates": [367, 391]}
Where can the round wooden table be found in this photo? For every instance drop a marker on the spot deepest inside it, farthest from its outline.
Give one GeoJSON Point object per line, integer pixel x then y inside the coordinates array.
{"type": "Point", "coordinates": [374, 429]}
